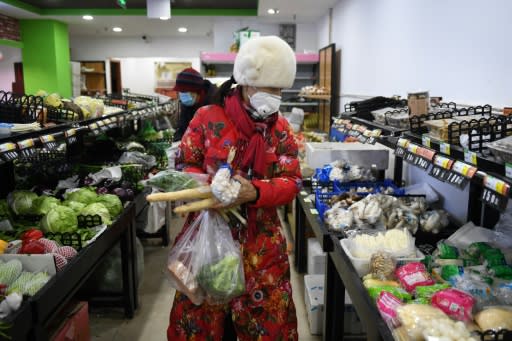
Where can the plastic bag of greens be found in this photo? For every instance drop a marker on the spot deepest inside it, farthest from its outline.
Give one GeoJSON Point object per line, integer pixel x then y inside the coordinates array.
{"type": "Point", "coordinates": [171, 180]}
{"type": "Point", "coordinates": [221, 273]}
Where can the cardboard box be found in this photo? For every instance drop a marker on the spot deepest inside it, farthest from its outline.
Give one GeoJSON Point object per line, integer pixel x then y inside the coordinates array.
{"type": "Point", "coordinates": [319, 154]}
{"type": "Point", "coordinates": [75, 326]}
{"type": "Point", "coordinates": [316, 258]}
{"type": "Point", "coordinates": [418, 103]}
{"type": "Point", "coordinates": [314, 300]}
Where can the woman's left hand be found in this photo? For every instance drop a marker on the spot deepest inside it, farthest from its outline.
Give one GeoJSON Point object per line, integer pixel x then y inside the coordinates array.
{"type": "Point", "coordinates": [247, 193]}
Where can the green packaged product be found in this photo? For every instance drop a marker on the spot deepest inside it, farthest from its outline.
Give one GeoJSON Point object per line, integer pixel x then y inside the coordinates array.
{"type": "Point", "coordinates": [446, 251]}
{"type": "Point", "coordinates": [449, 271]}
{"type": "Point", "coordinates": [470, 262]}
{"type": "Point", "coordinates": [502, 271]}
{"type": "Point", "coordinates": [494, 257]}
{"type": "Point", "coordinates": [396, 291]}
{"type": "Point", "coordinates": [421, 300]}
{"type": "Point", "coordinates": [428, 290]}
{"type": "Point", "coordinates": [477, 248]}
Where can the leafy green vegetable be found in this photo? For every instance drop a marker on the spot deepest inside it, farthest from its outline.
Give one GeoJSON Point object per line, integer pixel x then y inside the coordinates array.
{"type": "Point", "coordinates": [171, 181]}
{"type": "Point", "coordinates": [223, 279]}
{"type": "Point", "coordinates": [44, 203]}
{"type": "Point", "coordinates": [112, 203]}
{"type": "Point", "coordinates": [84, 195]}
{"type": "Point", "coordinates": [5, 212]}
{"type": "Point", "coordinates": [75, 205]}
{"type": "Point", "coordinates": [60, 219]}
{"type": "Point", "coordinates": [21, 202]}
{"type": "Point", "coordinates": [98, 209]}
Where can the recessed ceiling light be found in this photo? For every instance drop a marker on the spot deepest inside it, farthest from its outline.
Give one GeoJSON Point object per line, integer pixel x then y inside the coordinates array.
{"type": "Point", "coordinates": [87, 17]}
{"type": "Point", "coordinates": [164, 18]}
{"type": "Point", "coordinates": [117, 29]}
{"type": "Point", "coordinates": [272, 11]}
{"type": "Point", "coordinates": [182, 30]}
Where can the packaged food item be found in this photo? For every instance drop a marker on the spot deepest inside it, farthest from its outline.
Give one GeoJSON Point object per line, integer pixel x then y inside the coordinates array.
{"type": "Point", "coordinates": [477, 248]}
{"type": "Point", "coordinates": [382, 265]}
{"type": "Point", "coordinates": [494, 257]}
{"type": "Point", "coordinates": [445, 251]}
{"type": "Point", "coordinates": [450, 271]}
{"type": "Point", "coordinates": [501, 271]}
{"type": "Point", "coordinates": [427, 291]}
{"type": "Point", "coordinates": [475, 286]}
{"type": "Point", "coordinates": [412, 275]}
{"type": "Point", "coordinates": [398, 292]}
{"type": "Point", "coordinates": [372, 282]}
{"type": "Point", "coordinates": [421, 300]}
{"type": "Point", "coordinates": [494, 318]}
{"type": "Point", "coordinates": [503, 293]}
{"type": "Point", "coordinates": [411, 317]}
{"type": "Point", "coordinates": [387, 304]}
{"type": "Point", "coordinates": [455, 303]}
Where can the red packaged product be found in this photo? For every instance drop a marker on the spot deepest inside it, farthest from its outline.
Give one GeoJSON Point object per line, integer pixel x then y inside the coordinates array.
{"type": "Point", "coordinates": [412, 275]}
{"type": "Point", "coordinates": [454, 303]}
{"type": "Point", "coordinates": [387, 304]}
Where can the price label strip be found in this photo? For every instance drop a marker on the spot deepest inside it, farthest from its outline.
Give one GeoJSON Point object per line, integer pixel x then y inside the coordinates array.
{"type": "Point", "coordinates": [94, 128]}
{"type": "Point", "coordinates": [460, 173]}
{"type": "Point", "coordinates": [508, 170]}
{"type": "Point", "coordinates": [495, 193]}
{"type": "Point", "coordinates": [8, 151]}
{"type": "Point", "coordinates": [419, 156]}
{"type": "Point", "coordinates": [26, 147]}
{"type": "Point", "coordinates": [441, 167]}
{"type": "Point", "coordinates": [102, 125]}
{"type": "Point", "coordinates": [71, 136]}
{"type": "Point", "coordinates": [361, 138]}
{"type": "Point", "coordinates": [425, 140]}
{"type": "Point", "coordinates": [371, 140]}
{"type": "Point", "coordinates": [470, 157]}
{"type": "Point", "coordinates": [401, 147]}
{"type": "Point", "coordinates": [48, 142]}
{"type": "Point", "coordinates": [444, 148]}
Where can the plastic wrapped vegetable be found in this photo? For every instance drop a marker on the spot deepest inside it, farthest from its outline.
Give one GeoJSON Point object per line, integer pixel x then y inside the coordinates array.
{"type": "Point", "coordinates": [412, 275]}
{"type": "Point", "coordinates": [495, 318]}
{"type": "Point", "coordinates": [434, 221]}
{"type": "Point", "coordinates": [74, 205]}
{"type": "Point", "coordinates": [98, 209]}
{"type": "Point", "coordinates": [44, 203]}
{"type": "Point", "coordinates": [84, 195]}
{"type": "Point", "coordinates": [171, 181]}
{"type": "Point", "coordinates": [60, 219]}
{"type": "Point", "coordinates": [112, 203]}
{"type": "Point", "coordinates": [455, 303]}
{"type": "Point", "coordinates": [398, 292]}
{"type": "Point", "coordinates": [21, 201]}
{"type": "Point", "coordinates": [387, 304]}
{"type": "Point", "coordinates": [382, 265]}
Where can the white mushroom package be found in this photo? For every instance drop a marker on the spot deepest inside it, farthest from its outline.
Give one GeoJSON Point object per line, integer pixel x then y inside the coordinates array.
{"type": "Point", "coordinates": [224, 187]}
{"type": "Point", "coordinates": [398, 242]}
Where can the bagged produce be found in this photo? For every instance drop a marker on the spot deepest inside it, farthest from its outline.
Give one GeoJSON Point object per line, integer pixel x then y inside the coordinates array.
{"type": "Point", "coordinates": [21, 202]}
{"type": "Point", "coordinates": [60, 219]}
{"type": "Point", "coordinates": [412, 275]}
{"type": "Point", "coordinates": [455, 303]}
{"type": "Point", "coordinates": [224, 188]}
{"type": "Point", "coordinates": [427, 291]}
{"type": "Point", "coordinates": [387, 305]}
{"type": "Point", "coordinates": [170, 180]}
{"type": "Point", "coordinates": [399, 243]}
{"type": "Point", "coordinates": [494, 318]}
{"type": "Point", "coordinates": [398, 292]}
{"type": "Point", "coordinates": [382, 265]}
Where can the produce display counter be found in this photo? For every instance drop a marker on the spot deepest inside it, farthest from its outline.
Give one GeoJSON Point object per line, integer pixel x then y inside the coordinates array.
{"type": "Point", "coordinates": [19, 322]}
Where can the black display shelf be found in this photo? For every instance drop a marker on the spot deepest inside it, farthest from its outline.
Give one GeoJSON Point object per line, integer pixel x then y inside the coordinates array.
{"type": "Point", "coordinates": [19, 322]}
{"type": "Point", "coordinates": [387, 130]}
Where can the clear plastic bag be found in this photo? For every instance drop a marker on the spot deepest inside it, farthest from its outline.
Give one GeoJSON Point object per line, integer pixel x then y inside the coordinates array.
{"type": "Point", "coordinates": [219, 266]}
{"type": "Point", "coordinates": [182, 260]}
{"type": "Point", "coordinates": [172, 180]}
{"type": "Point", "coordinates": [138, 158]}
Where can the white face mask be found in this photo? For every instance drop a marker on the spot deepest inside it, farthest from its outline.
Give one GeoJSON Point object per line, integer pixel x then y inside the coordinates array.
{"type": "Point", "coordinates": [265, 104]}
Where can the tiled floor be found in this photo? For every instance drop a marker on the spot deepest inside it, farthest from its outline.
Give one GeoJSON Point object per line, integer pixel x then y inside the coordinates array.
{"type": "Point", "coordinates": [155, 299]}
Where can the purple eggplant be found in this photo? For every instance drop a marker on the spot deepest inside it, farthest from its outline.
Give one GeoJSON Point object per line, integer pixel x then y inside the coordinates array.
{"type": "Point", "coordinates": [88, 181]}
{"type": "Point", "coordinates": [102, 190]}
{"type": "Point", "coordinates": [126, 184]}
{"type": "Point", "coordinates": [121, 193]}
{"type": "Point", "coordinates": [130, 194]}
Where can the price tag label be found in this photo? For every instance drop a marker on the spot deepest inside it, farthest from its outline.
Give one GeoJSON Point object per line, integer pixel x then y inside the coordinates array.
{"type": "Point", "coordinates": [470, 157]}
{"type": "Point", "coordinates": [371, 140]}
{"type": "Point", "coordinates": [48, 141]}
{"type": "Point", "coordinates": [8, 151]}
{"type": "Point", "coordinates": [71, 136]}
{"type": "Point", "coordinates": [404, 143]}
{"type": "Point", "coordinates": [443, 162]}
{"type": "Point", "coordinates": [28, 143]}
{"type": "Point", "coordinates": [456, 179]}
{"type": "Point", "coordinates": [494, 199]}
{"type": "Point", "coordinates": [444, 148]}
{"type": "Point", "coordinates": [439, 173]}
{"type": "Point", "coordinates": [425, 140]}
{"type": "Point", "coordinates": [313, 211]}
{"type": "Point", "coordinates": [400, 151]}
{"type": "Point", "coordinates": [94, 128]}
{"type": "Point", "coordinates": [102, 125]}
{"type": "Point", "coordinates": [497, 185]}
{"type": "Point", "coordinates": [361, 138]}
{"type": "Point", "coordinates": [508, 170]}
{"type": "Point", "coordinates": [367, 133]}
{"type": "Point", "coordinates": [464, 169]}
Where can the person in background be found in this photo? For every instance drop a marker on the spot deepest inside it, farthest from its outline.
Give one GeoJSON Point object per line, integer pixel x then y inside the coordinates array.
{"type": "Point", "coordinates": [266, 164]}
{"type": "Point", "coordinates": [193, 93]}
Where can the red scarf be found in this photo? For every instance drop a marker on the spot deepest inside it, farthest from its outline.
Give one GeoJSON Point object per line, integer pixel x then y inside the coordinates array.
{"type": "Point", "coordinates": [251, 147]}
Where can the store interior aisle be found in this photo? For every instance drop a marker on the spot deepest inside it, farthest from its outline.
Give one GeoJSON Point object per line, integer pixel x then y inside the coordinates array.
{"type": "Point", "coordinates": [155, 299]}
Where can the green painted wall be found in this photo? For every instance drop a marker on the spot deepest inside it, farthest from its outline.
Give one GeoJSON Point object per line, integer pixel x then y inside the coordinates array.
{"type": "Point", "coordinates": [45, 56]}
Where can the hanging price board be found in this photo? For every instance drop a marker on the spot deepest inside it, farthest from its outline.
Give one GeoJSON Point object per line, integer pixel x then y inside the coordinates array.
{"type": "Point", "coordinates": [441, 167]}
{"type": "Point", "coordinates": [470, 157]}
{"type": "Point", "coordinates": [459, 174]}
{"type": "Point", "coordinates": [49, 142]}
{"type": "Point", "coordinates": [444, 148]}
{"type": "Point", "coordinates": [26, 147]}
{"type": "Point", "coordinates": [70, 136]}
{"type": "Point", "coordinates": [495, 192]}
{"type": "Point", "coordinates": [401, 147]}
{"type": "Point", "coordinates": [456, 179]}
{"type": "Point", "coordinates": [425, 140]}
{"type": "Point", "coordinates": [8, 151]}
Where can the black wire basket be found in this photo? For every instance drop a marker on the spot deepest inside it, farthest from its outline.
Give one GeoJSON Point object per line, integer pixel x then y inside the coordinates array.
{"type": "Point", "coordinates": [42, 167]}
{"type": "Point", "coordinates": [63, 115]}
{"type": "Point", "coordinates": [16, 108]}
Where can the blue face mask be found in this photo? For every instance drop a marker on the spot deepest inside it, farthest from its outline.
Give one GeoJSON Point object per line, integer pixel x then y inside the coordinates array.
{"type": "Point", "coordinates": [187, 99]}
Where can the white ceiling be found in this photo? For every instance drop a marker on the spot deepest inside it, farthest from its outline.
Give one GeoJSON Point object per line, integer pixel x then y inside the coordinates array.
{"type": "Point", "coordinates": [290, 11]}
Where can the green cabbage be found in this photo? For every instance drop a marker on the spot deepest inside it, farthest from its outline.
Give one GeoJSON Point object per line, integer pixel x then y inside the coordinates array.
{"type": "Point", "coordinates": [112, 203]}
{"type": "Point", "coordinates": [84, 195]}
{"type": "Point", "coordinates": [98, 209]}
{"type": "Point", "coordinates": [75, 205]}
{"type": "Point", "coordinates": [224, 279]}
{"type": "Point", "coordinates": [21, 202]}
{"type": "Point", "coordinates": [44, 203]}
{"type": "Point", "coordinates": [60, 219]}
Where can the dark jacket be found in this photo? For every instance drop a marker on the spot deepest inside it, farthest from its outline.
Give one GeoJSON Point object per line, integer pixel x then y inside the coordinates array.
{"type": "Point", "coordinates": [187, 113]}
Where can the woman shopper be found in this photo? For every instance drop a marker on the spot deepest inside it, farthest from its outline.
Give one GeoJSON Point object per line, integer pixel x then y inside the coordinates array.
{"type": "Point", "coordinates": [267, 167]}
{"type": "Point", "coordinates": [193, 92]}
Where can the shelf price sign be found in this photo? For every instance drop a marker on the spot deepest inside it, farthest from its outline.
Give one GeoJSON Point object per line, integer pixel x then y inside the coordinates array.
{"type": "Point", "coordinates": [102, 125]}
{"type": "Point", "coordinates": [8, 151]}
{"type": "Point", "coordinates": [495, 192]}
{"type": "Point", "coordinates": [401, 147]}
{"type": "Point", "coordinates": [460, 174]}
{"type": "Point", "coordinates": [425, 140]}
{"type": "Point", "coordinates": [94, 128]}
{"type": "Point", "coordinates": [444, 148]}
{"type": "Point", "coordinates": [419, 156]}
{"type": "Point", "coordinates": [470, 157]}
{"type": "Point", "coordinates": [441, 167]}
{"type": "Point", "coordinates": [49, 142]}
{"type": "Point", "coordinates": [26, 147]}
{"type": "Point", "coordinates": [71, 136]}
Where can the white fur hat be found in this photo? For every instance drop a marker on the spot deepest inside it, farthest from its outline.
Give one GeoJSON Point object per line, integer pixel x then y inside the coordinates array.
{"type": "Point", "coordinates": [265, 62]}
